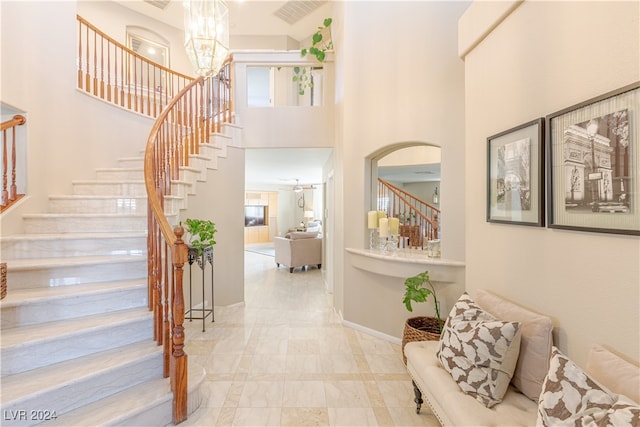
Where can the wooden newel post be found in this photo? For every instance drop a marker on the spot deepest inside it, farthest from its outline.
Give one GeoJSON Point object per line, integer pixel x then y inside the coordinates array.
{"type": "Point", "coordinates": [435, 226]}
{"type": "Point", "coordinates": [179, 367]}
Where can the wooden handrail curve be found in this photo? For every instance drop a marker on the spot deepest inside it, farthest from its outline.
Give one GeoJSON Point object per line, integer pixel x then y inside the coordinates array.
{"type": "Point", "coordinates": [10, 162]}
{"type": "Point", "coordinates": [178, 133]}
{"type": "Point", "coordinates": [421, 214]}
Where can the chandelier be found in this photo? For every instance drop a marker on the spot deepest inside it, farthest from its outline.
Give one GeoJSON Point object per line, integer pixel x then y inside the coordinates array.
{"type": "Point", "coordinates": [206, 34]}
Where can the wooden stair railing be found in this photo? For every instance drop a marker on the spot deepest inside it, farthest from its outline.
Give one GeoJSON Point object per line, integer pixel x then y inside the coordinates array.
{"type": "Point", "coordinates": [199, 109]}
{"type": "Point", "coordinates": [187, 112]}
{"type": "Point", "coordinates": [418, 219]}
{"type": "Point", "coordinates": [114, 73]}
{"type": "Point", "coordinates": [10, 162]}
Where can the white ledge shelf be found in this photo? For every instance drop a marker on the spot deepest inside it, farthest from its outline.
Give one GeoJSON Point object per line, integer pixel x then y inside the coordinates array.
{"type": "Point", "coordinates": [405, 264]}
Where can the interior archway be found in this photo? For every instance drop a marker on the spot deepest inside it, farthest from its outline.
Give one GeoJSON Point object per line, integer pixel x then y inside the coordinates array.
{"type": "Point", "coordinates": [414, 168]}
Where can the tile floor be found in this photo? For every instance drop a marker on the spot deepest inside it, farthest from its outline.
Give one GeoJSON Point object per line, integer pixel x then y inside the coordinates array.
{"type": "Point", "coordinates": [284, 359]}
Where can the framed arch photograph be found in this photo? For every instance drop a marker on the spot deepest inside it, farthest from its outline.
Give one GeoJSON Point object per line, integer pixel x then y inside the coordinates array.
{"type": "Point", "coordinates": [594, 159]}
{"type": "Point", "coordinates": [515, 171]}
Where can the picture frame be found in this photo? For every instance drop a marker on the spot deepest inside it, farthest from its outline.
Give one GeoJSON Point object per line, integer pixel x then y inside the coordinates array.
{"type": "Point", "coordinates": [515, 175]}
{"type": "Point", "coordinates": [594, 164]}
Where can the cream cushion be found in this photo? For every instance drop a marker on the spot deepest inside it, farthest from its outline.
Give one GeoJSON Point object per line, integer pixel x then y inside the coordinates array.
{"type": "Point", "coordinates": [296, 235]}
{"type": "Point", "coordinates": [479, 351]}
{"type": "Point", "coordinates": [571, 398]}
{"type": "Point", "coordinates": [613, 372]}
{"type": "Point", "coordinates": [451, 405]}
{"type": "Point", "coordinates": [535, 342]}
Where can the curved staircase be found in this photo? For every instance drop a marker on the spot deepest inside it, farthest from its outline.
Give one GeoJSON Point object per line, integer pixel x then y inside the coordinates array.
{"type": "Point", "coordinates": [77, 343]}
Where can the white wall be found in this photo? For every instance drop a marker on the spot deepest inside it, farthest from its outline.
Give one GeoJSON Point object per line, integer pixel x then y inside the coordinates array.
{"type": "Point", "coordinates": [221, 200]}
{"type": "Point", "coordinates": [282, 127]}
{"type": "Point", "coordinates": [543, 57]}
{"type": "Point", "coordinates": [64, 125]}
{"type": "Point", "coordinates": [399, 80]}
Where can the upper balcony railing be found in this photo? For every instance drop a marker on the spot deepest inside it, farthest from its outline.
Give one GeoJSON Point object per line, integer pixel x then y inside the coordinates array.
{"type": "Point", "coordinates": [112, 72]}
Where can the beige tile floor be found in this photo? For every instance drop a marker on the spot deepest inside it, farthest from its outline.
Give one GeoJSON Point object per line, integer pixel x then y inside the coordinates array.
{"type": "Point", "coordinates": [284, 359]}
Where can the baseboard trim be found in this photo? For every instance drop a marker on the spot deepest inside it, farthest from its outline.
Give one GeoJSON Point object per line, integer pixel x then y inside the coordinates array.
{"type": "Point", "coordinates": [372, 332]}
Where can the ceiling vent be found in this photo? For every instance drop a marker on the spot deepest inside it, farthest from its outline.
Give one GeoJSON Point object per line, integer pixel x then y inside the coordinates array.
{"type": "Point", "coordinates": [160, 4]}
{"type": "Point", "coordinates": [295, 10]}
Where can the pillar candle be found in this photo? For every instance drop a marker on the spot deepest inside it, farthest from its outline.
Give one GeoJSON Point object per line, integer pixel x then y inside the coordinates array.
{"type": "Point", "coordinates": [372, 219]}
{"type": "Point", "coordinates": [384, 227]}
{"type": "Point", "coordinates": [394, 226]}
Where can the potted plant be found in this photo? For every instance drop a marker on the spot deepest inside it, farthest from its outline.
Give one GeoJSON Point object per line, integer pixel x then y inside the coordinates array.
{"type": "Point", "coordinates": [320, 44]}
{"type": "Point", "coordinates": [201, 233]}
{"type": "Point", "coordinates": [421, 328]}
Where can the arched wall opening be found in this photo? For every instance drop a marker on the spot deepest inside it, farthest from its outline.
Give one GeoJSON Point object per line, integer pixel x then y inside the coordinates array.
{"type": "Point", "coordinates": [414, 167]}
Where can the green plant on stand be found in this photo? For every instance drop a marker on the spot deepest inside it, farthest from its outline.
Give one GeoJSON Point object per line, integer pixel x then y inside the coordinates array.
{"type": "Point", "coordinates": [201, 233]}
{"type": "Point", "coordinates": [416, 290]}
{"type": "Point", "coordinates": [320, 44]}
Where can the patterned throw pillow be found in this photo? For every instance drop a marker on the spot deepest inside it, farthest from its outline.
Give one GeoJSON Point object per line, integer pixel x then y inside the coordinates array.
{"type": "Point", "coordinates": [479, 351]}
{"type": "Point", "coordinates": [570, 398]}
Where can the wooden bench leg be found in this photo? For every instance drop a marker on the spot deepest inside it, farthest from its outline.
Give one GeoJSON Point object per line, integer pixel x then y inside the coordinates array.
{"type": "Point", "coordinates": [418, 399]}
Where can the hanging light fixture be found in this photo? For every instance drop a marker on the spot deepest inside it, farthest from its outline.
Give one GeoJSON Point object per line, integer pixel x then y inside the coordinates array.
{"type": "Point", "coordinates": [206, 34]}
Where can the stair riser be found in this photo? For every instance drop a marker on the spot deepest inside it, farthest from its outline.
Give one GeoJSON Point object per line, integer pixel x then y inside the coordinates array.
{"type": "Point", "coordinates": [234, 134]}
{"type": "Point", "coordinates": [220, 142]}
{"type": "Point", "coordinates": [117, 174]}
{"type": "Point", "coordinates": [150, 417]}
{"type": "Point", "coordinates": [68, 247]}
{"type": "Point", "coordinates": [77, 224]}
{"type": "Point", "coordinates": [200, 163]}
{"type": "Point", "coordinates": [182, 189]}
{"type": "Point", "coordinates": [32, 355]}
{"type": "Point", "coordinates": [208, 150]}
{"type": "Point", "coordinates": [116, 205]}
{"type": "Point", "coordinates": [109, 206]}
{"type": "Point", "coordinates": [71, 307]}
{"type": "Point", "coordinates": [189, 175]}
{"type": "Point", "coordinates": [132, 163]}
{"type": "Point", "coordinates": [75, 275]}
{"type": "Point", "coordinates": [123, 189]}
{"type": "Point", "coordinates": [88, 389]}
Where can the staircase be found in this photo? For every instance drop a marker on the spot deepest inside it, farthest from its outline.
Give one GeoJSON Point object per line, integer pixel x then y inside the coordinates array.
{"type": "Point", "coordinates": [77, 346]}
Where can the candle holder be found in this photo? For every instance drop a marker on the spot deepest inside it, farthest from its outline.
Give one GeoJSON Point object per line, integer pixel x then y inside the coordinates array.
{"type": "Point", "coordinates": [372, 238]}
{"type": "Point", "coordinates": [391, 245]}
{"type": "Point", "coordinates": [382, 243]}
{"type": "Point", "coordinates": [433, 248]}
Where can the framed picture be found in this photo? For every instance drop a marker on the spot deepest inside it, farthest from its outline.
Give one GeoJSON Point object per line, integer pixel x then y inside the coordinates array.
{"type": "Point", "coordinates": [594, 159]}
{"type": "Point", "coordinates": [515, 171]}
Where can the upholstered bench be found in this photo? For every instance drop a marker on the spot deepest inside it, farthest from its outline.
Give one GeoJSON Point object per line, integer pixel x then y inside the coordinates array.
{"type": "Point", "coordinates": [464, 387]}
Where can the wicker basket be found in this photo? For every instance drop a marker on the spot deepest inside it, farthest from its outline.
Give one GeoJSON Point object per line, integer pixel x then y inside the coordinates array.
{"type": "Point", "coordinates": [419, 329]}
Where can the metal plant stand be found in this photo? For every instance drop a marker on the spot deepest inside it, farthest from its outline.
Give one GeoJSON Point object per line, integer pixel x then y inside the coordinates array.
{"type": "Point", "coordinates": [205, 257]}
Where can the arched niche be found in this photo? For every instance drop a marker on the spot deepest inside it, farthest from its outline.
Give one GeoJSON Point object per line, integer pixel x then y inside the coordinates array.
{"type": "Point", "coordinates": [414, 167]}
{"type": "Point", "coordinates": [149, 44]}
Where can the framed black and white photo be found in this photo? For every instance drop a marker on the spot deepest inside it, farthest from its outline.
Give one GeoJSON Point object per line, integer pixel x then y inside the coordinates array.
{"type": "Point", "coordinates": [593, 170]}
{"type": "Point", "coordinates": [515, 170]}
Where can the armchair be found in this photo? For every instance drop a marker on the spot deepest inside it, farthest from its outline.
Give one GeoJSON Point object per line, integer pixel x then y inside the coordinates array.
{"type": "Point", "coordinates": [299, 249]}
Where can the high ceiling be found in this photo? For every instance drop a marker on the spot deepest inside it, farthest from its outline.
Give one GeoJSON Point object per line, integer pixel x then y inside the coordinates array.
{"type": "Point", "coordinates": [277, 167]}
{"type": "Point", "coordinates": [247, 17]}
